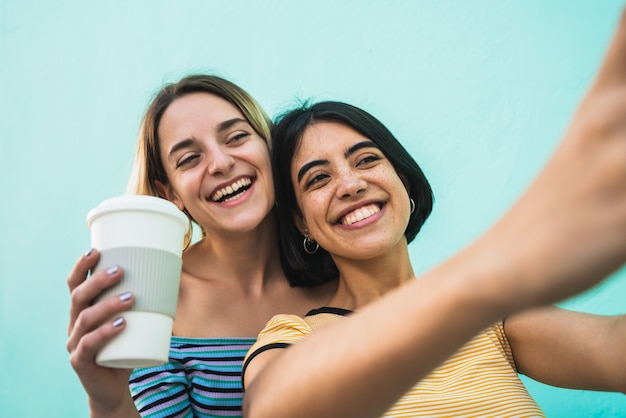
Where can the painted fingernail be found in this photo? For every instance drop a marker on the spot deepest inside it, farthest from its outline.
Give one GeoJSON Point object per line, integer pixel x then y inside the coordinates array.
{"type": "Point", "coordinates": [112, 270]}
{"type": "Point", "coordinates": [125, 296]}
{"type": "Point", "coordinates": [118, 322]}
{"type": "Point", "coordinates": [88, 253]}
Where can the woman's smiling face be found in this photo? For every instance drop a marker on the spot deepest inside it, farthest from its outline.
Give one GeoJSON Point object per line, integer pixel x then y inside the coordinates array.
{"type": "Point", "coordinates": [352, 200]}
{"type": "Point", "coordinates": [218, 167]}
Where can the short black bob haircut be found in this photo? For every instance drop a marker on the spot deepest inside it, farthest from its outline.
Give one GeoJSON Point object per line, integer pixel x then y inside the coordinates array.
{"type": "Point", "coordinates": [304, 269]}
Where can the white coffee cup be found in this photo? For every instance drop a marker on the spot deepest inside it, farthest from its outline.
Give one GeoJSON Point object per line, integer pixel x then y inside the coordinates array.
{"type": "Point", "coordinates": [144, 236]}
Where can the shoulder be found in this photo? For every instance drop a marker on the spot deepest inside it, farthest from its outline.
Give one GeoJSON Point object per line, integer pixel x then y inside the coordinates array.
{"type": "Point", "coordinates": [280, 332]}
{"type": "Point", "coordinates": [286, 329]}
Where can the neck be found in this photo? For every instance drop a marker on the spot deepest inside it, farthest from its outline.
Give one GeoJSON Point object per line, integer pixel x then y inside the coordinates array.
{"type": "Point", "coordinates": [363, 281]}
{"type": "Point", "coordinates": [250, 257]}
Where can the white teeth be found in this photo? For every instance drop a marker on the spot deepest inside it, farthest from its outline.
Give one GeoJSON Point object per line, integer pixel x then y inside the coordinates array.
{"type": "Point", "coordinates": [230, 189]}
{"type": "Point", "coordinates": [360, 214]}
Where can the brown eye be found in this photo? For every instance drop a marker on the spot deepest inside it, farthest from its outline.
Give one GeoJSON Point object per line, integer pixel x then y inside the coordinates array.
{"type": "Point", "coordinates": [368, 159]}
{"type": "Point", "coordinates": [316, 179]}
{"type": "Point", "coordinates": [186, 161]}
{"type": "Point", "coordinates": [239, 137]}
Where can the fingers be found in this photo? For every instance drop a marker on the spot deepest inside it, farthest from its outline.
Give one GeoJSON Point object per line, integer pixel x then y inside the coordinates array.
{"type": "Point", "coordinates": [83, 291]}
{"type": "Point", "coordinates": [96, 324]}
{"type": "Point", "coordinates": [83, 351]}
{"type": "Point", "coordinates": [612, 72]}
{"type": "Point", "coordinates": [81, 269]}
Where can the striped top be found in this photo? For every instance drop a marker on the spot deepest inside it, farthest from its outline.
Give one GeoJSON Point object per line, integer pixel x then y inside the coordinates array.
{"type": "Point", "coordinates": [201, 379]}
{"type": "Point", "coordinates": [479, 380]}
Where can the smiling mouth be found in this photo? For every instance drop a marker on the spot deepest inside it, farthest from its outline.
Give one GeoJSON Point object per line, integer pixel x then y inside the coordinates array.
{"type": "Point", "coordinates": [232, 191]}
{"type": "Point", "coordinates": [359, 214]}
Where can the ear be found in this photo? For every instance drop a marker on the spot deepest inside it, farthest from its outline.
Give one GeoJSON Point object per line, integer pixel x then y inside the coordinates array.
{"type": "Point", "coordinates": [166, 192]}
{"type": "Point", "coordinates": [300, 222]}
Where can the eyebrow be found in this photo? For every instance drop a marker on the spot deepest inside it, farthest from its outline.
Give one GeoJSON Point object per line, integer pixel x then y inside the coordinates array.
{"type": "Point", "coordinates": [360, 145]}
{"type": "Point", "coordinates": [309, 166]}
{"type": "Point", "coordinates": [180, 145]}
{"type": "Point", "coordinates": [354, 148]}
{"type": "Point", "coordinates": [229, 123]}
{"type": "Point", "coordinates": [220, 128]}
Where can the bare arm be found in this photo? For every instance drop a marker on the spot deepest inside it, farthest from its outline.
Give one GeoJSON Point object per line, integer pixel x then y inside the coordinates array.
{"type": "Point", "coordinates": [360, 365]}
{"type": "Point", "coordinates": [570, 349]}
{"type": "Point", "coordinates": [567, 232]}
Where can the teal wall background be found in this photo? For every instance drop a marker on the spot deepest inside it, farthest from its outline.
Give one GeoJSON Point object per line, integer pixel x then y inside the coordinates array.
{"type": "Point", "coordinates": [479, 92]}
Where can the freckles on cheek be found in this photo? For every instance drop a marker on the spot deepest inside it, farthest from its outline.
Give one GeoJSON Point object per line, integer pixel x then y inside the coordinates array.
{"type": "Point", "coordinates": [314, 209]}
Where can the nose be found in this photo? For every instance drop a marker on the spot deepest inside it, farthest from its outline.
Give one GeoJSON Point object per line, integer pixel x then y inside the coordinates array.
{"type": "Point", "coordinates": [350, 183]}
{"type": "Point", "coordinates": [221, 161]}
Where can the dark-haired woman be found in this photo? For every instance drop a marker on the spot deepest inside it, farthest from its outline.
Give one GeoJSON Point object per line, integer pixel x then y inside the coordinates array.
{"type": "Point", "coordinates": [389, 345]}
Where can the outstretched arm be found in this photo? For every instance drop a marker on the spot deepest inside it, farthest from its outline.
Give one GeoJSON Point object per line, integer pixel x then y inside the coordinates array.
{"type": "Point", "coordinates": [573, 222]}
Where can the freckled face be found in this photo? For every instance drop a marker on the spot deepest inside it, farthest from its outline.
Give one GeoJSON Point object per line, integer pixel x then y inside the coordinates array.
{"type": "Point", "coordinates": [353, 202]}
{"type": "Point", "coordinates": [217, 165]}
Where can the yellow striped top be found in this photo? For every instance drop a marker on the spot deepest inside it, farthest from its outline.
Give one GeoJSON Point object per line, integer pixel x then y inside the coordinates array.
{"type": "Point", "coordinates": [479, 380]}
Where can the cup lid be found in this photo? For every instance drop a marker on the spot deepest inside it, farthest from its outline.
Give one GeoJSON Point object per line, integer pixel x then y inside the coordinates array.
{"type": "Point", "coordinates": [139, 203]}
